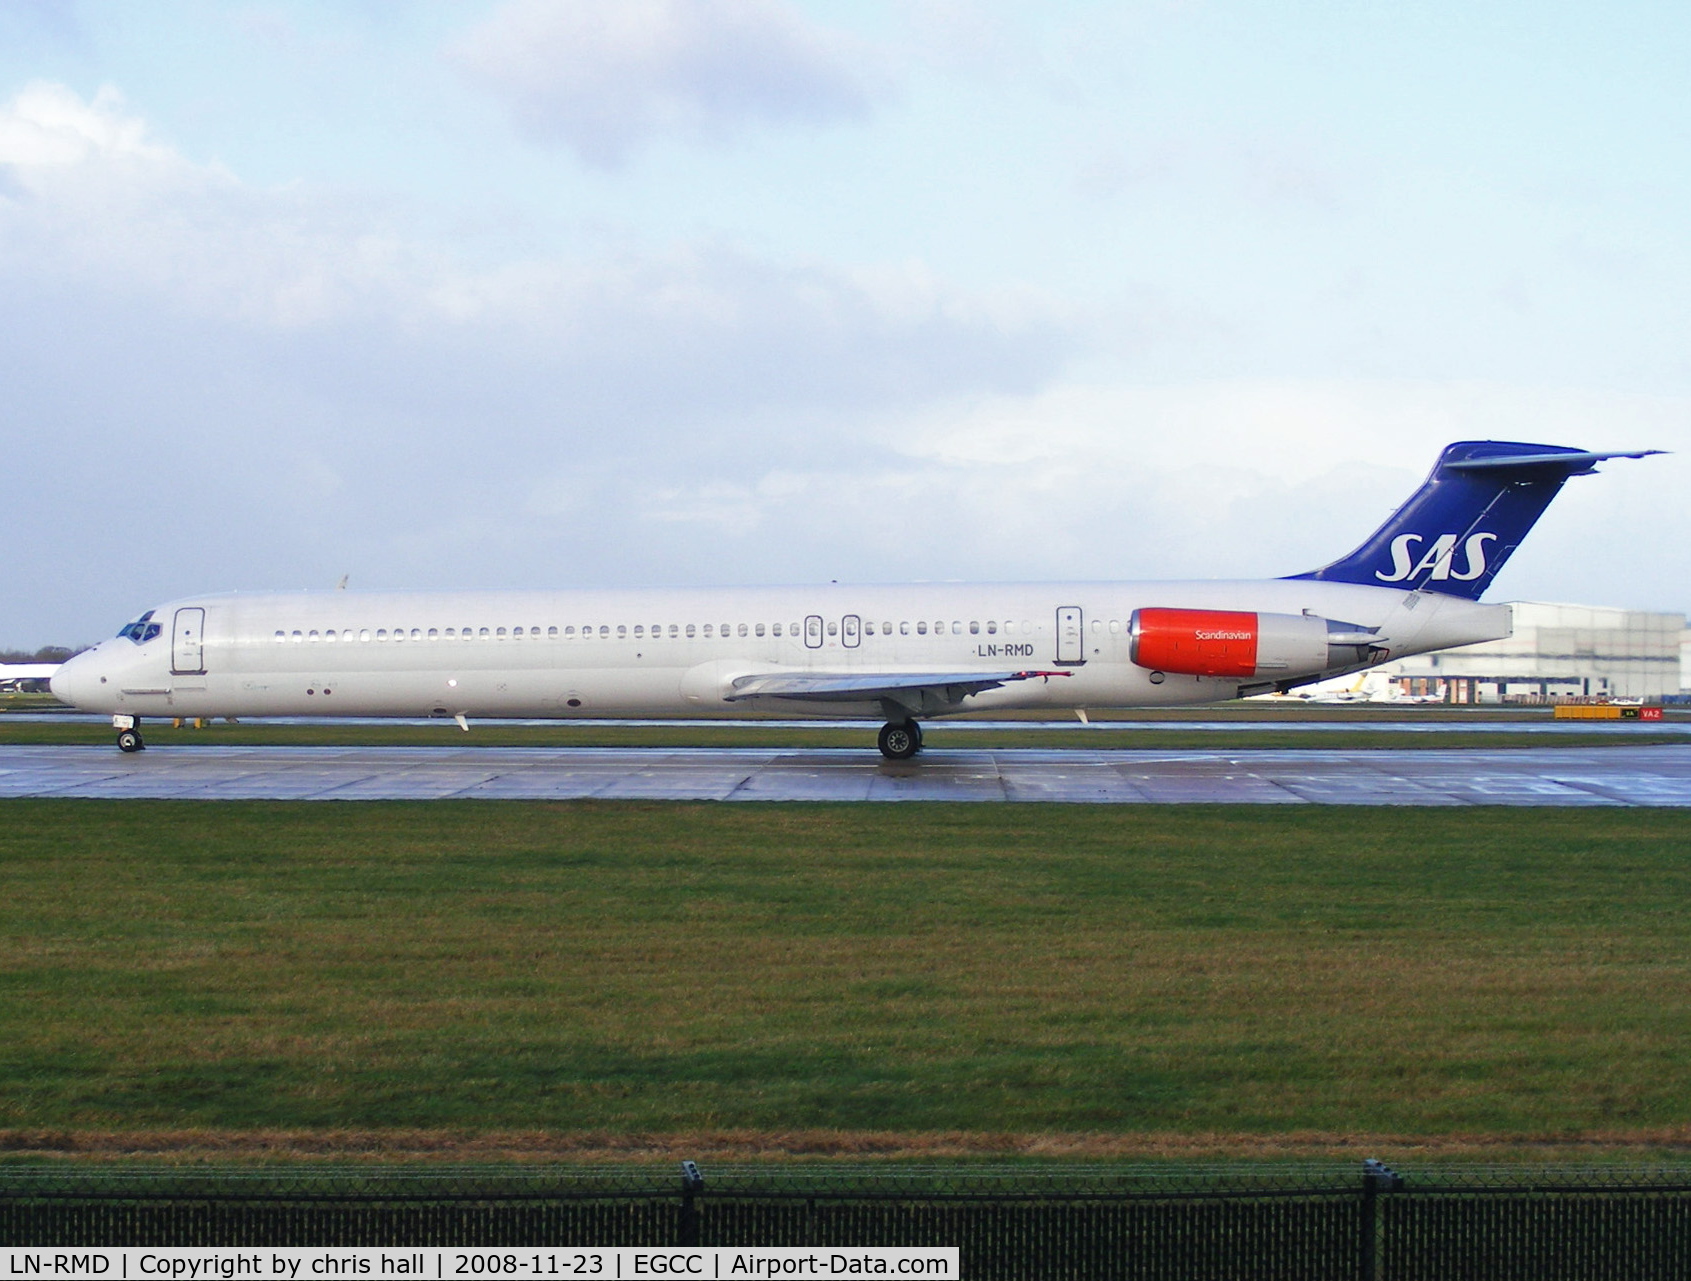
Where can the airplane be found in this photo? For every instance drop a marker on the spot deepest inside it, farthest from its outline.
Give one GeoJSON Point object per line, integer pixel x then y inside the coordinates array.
{"type": "Point", "coordinates": [1369, 686]}
{"type": "Point", "coordinates": [899, 654]}
{"type": "Point", "coordinates": [13, 675]}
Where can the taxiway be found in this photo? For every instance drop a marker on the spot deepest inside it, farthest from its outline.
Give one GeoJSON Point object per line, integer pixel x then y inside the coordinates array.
{"type": "Point", "coordinates": [1631, 775]}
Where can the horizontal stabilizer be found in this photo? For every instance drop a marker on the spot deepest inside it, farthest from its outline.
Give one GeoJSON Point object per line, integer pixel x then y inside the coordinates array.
{"type": "Point", "coordinates": [1574, 464]}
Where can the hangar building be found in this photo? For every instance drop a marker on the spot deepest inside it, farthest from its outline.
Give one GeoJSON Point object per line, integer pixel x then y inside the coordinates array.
{"type": "Point", "coordinates": [1557, 651]}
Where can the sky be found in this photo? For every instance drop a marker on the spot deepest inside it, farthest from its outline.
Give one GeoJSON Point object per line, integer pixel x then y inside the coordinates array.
{"type": "Point", "coordinates": [553, 293]}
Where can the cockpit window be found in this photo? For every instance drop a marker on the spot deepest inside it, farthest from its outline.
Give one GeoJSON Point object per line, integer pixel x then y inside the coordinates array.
{"type": "Point", "coordinates": [141, 630]}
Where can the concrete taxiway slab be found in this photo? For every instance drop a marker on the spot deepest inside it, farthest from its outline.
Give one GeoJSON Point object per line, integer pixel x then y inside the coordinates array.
{"type": "Point", "coordinates": [1633, 775]}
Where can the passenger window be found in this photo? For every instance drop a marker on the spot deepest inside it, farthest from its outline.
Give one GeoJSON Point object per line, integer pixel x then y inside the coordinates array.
{"type": "Point", "coordinates": [516, 633]}
{"type": "Point", "coordinates": [534, 633]}
{"type": "Point", "coordinates": [956, 628]}
{"type": "Point", "coordinates": [485, 634]}
{"type": "Point", "coordinates": [281, 637]}
{"type": "Point", "coordinates": [974, 629]}
{"type": "Point", "coordinates": [922, 627]}
{"type": "Point", "coordinates": [1097, 626]}
{"type": "Point", "coordinates": [742, 629]}
{"type": "Point", "coordinates": [777, 629]}
{"type": "Point", "coordinates": [725, 631]}
{"type": "Point", "coordinates": [992, 627]}
{"type": "Point", "coordinates": [793, 628]}
{"type": "Point", "coordinates": [463, 633]}
{"type": "Point", "coordinates": [604, 629]}
{"type": "Point", "coordinates": [416, 633]}
{"type": "Point", "coordinates": [551, 633]}
{"type": "Point", "coordinates": [329, 636]}
{"type": "Point", "coordinates": [689, 631]}
{"type": "Point", "coordinates": [499, 634]}
{"type": "Point", "coordinates": [399, 633]}
{"type": "Point", "coordinates": [707, 629]}
{"type": "Point", "coordinates": [1009, 626]}
{"type": "Point", "coordinates": [297, 637]}
{"type": "Point", "coordinates": [569, 631]}
{"type": "Point", "coordinates": [760, 629]}
{"type": "Point", "coordinates": [868, 629]}
{"type": "Point", "coordinates": [639, 630]}
{"type": "Point", "coordinates": [433, 634]}
{"type": "Point", "coordinates": [904, 629]}
{"type": "Point", "coordinates": [833, 629]}
{"type": "Point", "coordinates": [1115, 626]}
{"type": "Point", "coordinates": [622, 631]}
{"type": "Point", "coordinates": [364, 633]}
{"type": "Point", "coordinates": [381, 633]}
{"type": "Point", "coordinates": [312, 636]}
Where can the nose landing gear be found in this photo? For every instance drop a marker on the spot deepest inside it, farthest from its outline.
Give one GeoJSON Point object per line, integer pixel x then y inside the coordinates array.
{"type": "Point", "coordinates": [900, 740]}
{"type": "Point", "coordinates": [128, 733]}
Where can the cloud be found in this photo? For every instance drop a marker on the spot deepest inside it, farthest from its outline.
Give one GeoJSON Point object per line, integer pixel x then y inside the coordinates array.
{"type": "Point", "coordinates": [231, 386]}
{"type": "Point", "coordinates": [258, 387]}
{"type": "Point", "coordinates": [603, 77]}
{"type": "Point", "coordinates": [49, 126]}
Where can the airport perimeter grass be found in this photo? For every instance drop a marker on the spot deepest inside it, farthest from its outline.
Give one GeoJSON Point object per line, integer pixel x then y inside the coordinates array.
{"type": "Point", "coordinates": [471, 967]}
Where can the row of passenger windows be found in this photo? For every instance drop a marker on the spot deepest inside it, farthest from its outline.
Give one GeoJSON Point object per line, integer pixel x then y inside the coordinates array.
{"type": "Point", "coordinates": [639, 631]}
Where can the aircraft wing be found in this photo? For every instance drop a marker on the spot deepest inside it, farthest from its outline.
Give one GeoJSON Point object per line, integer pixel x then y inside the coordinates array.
{"type": "Point", "coordinates": [28, 671]}
{"type": "Point", "coordinates": [858, 687]}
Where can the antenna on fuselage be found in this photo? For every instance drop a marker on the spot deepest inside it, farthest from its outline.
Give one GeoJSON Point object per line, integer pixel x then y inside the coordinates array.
{"type": "Point", "coordinates": [341, 586]}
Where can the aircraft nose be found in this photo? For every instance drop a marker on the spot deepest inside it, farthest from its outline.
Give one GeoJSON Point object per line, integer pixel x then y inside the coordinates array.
{"type": "Point", "coordinates": [75, 680]}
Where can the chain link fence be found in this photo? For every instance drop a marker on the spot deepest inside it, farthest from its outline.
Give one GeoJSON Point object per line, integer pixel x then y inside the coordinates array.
{"type": "Point", "coordinates": [1234, 1222]}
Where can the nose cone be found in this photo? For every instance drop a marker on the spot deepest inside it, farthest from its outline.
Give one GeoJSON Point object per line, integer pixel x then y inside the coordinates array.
{"type": "Point", "coordinates": [76, 681]}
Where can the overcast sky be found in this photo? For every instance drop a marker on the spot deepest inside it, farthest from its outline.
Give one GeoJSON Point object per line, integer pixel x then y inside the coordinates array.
{"type": "Point", "coordinates": [749, 291]}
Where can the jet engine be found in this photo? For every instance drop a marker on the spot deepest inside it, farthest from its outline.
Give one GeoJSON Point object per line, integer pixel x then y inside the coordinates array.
{"type": "Point", "coordinates": [1220, 642]}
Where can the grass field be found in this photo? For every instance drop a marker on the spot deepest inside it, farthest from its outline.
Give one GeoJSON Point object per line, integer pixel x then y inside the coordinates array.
{"type": "Point", "coordinates": [462, 969]}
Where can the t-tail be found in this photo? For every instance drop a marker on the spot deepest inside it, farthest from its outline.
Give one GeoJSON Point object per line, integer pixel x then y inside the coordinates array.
{"type": "Point", "coordinates": [1466, 520]}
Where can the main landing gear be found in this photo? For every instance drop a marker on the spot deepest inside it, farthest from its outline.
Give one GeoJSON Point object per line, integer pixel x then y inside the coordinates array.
{"type": "Point", "coordinates": [900, 740]}
{"type": "Point", "coordinates": [129, 736]}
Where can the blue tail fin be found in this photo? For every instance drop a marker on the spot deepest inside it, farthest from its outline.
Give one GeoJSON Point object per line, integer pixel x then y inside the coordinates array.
{"type": "Point", "coordinates": [1459, 528]}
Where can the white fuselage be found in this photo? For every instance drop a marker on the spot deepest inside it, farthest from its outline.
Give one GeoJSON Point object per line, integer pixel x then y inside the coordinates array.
{"type": "Point", "coordinates": [653, 652]}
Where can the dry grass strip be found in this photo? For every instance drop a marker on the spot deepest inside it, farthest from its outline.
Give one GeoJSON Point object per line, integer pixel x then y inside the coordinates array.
{"type": "Point", "coordinates": [446, 1146]}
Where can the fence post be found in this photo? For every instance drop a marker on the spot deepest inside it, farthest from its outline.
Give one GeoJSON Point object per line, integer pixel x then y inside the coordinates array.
{"type": "Point", "coordinates": [1377, 1177]}
{"type": "Point", "coordinates": [692, 1183]}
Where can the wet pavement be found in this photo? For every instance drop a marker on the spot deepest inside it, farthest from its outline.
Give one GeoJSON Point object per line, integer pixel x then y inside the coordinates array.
{"type": "Point", "coordinates": [1631, 775]}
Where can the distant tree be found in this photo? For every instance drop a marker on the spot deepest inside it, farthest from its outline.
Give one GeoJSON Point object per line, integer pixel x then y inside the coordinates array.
{"type": "Point", "coordinates": [46, 654]}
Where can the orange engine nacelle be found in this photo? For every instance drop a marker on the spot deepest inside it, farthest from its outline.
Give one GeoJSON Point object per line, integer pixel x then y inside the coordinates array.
{"type": "Point", "coordinates": [1223, 642]}
{"type": "Point", "coordinates": [1195, 642]}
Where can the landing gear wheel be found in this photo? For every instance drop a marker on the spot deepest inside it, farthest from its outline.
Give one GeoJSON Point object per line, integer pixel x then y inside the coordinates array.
{"type": "Point", "coordinates": [129, 740]}
{"type": "Point", "coordinates": [900, 740]}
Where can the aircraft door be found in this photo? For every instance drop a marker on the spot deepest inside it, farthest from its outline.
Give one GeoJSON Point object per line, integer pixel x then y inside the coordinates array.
{"type": "Point", "coordinates": [1071, 636]}
{"type": "Point", "coordinates": [813, 631]}
{"type": "Point", "coordinates": [187, 643]}
{"type": "Point", "coordinates": [851, 631]}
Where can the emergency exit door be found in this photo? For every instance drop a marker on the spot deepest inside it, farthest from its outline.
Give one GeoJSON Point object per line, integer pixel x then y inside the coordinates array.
{"type": "Point", "coordinates": [1071, 636]}
{"type": "Point", "coordinates": [187, 643]}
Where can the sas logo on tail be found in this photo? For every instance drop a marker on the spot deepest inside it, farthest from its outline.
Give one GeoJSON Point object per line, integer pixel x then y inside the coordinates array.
{"type": "Point", "coordinates": [1437, 558]}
